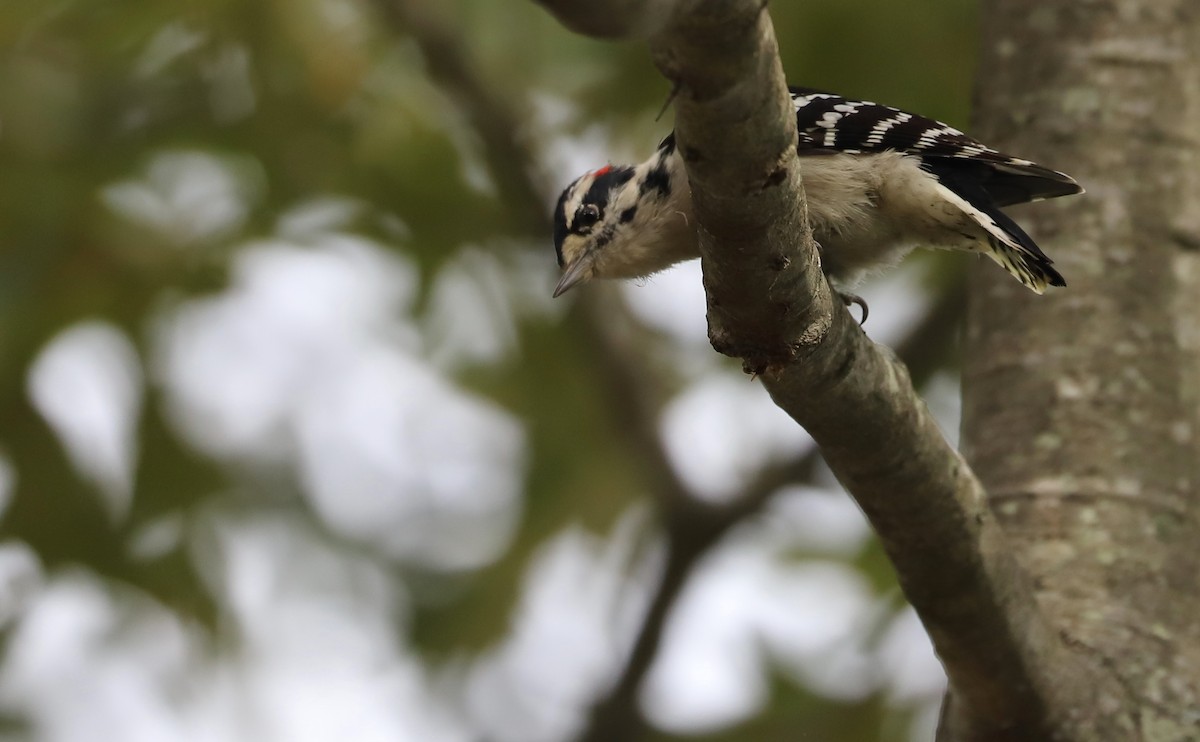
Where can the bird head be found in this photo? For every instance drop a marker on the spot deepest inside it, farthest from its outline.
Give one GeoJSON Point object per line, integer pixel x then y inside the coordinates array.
{"type": "Point", "coordinates": [591, 215]}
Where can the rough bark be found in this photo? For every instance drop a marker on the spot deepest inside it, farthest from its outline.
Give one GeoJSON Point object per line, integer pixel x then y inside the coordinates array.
{"type": "Point", "coordinates": [1080, 407]}
{"type": "Point", "coordinates": [769, 305]}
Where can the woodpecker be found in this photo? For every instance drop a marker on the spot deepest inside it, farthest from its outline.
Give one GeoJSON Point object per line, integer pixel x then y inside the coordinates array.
{"type": "Point", "coordinates": [879, 181]}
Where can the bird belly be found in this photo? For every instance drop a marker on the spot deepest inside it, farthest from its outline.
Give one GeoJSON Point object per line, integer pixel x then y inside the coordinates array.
{"type": "Point", "coordinates": [853, 234]}
{"type": "Point", "coordinates": [849, 256]}
{"type": "Point", "coordinates": [869, 211]}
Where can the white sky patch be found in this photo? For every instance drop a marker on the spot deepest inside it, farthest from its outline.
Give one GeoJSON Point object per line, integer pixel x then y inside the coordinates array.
{"type": "Point", "coordinates": [80, 669]}
{"type": "Point", "coordinates": [721, 430]}
{"type": "Point", "coordinates": [530, 278]}
{"type": "Point", "coordinates": [310, 360]}
{"type": "Point", "coordinates": [172, 42]}
{"type": "Point", "coordinates": [817, 627]}
{"type": "Point", "coordinates": [20, 580]}
{"type": "Point", "coordinates": [310, 653]}
{"type": "Point", "coordinates": [673, 302]}
{"type": "Point", "coordinates": [754, 607]}
{"type": "Point", "coordinates": [943, 394]}
{"type": "Point", "coordinates": [236, 364]}
{"type": "Point", "coordinates": [898, 300]}
{"type": "Point", "coordinates": [746, 600]}
{"type": "Point", "coordinates": [551, 112]}
{"type": "Point", "coordinates": [912, 671]}
{"type": "Point", "coordinates": [824, 521]}
{"type": "Point", "coordinates": [392, 454]}
{"type": "Point", "coordinates": [563, 158]}
{"type": "Point", "coordinates": [470, 319]}
{"type": "Point", "coordinates": [481, 295]}
{"type": "Point", "coordinates": [321, 627]}
{"type": "Point", "coordinates": [578, 607]}
{"type": "Point", "coordinates": [157, 538]}
{"type": "Point", "coordinates": [567, 158]}
{"type": "Point", "coordinates": [188, 197]}
{"type": "Point", "coordinates": [318, 217]}
{"type": "Point", "coordinates": [708, 674]}
{"type": "Point", "coordinates": [925, 721]}
{"type": "Point", "coordinates": [87, 384]}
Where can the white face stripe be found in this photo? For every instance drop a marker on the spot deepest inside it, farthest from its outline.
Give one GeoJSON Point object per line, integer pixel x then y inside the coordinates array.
{"type": "Point", "coordinates": [574, 200]}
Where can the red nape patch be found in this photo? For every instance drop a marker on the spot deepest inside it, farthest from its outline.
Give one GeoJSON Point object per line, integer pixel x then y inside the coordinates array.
{"type": "Point", "coordinates": [602, 171]}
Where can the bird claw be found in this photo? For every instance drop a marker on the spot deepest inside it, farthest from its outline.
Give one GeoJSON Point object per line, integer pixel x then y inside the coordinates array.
{"type": "Point", "coordinates": [849, 299]}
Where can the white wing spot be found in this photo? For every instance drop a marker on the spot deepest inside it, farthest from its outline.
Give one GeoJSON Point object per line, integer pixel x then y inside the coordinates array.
{"type": "Point", "coordinates": [881, 128]}
{"type": "Point", "coordinates": [800, 101]}
{"type": "Point", "coordinates": [830, 119]}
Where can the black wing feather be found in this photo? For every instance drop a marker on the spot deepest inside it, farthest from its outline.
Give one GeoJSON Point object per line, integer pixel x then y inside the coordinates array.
{"type": "Point", "coordinates": [860, 127]}
{"type": "Point", "coordinates": [832, 123]}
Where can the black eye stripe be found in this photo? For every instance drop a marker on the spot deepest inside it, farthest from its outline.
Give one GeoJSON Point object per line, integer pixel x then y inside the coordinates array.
{"type": "Point", "coordinates": [604, 185]}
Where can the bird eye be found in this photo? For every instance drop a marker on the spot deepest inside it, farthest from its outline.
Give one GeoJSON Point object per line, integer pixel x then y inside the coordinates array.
{"type": "Point", "coordinates": [586, 216]}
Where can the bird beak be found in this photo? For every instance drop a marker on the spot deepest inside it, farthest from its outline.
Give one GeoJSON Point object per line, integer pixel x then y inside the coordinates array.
{"type": "Point", "coordinates": [575, 273]}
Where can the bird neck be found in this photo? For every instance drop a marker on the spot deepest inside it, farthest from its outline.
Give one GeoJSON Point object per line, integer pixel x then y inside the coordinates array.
{"type": "Point", "coordinates": [662, 231]}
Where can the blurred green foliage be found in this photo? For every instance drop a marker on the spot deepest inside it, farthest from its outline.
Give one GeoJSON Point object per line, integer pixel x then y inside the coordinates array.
{"type": "Point", "coordinates": [311, 98]}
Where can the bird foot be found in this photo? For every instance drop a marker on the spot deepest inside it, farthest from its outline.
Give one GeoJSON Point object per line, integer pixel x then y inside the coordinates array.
{"type": "Point", "coordinates": [849, 299]}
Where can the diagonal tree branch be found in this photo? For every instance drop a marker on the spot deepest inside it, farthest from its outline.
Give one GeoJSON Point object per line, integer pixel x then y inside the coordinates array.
{"type": "Point", "coordinates": [691, 528]}
{"type": "Point", "coordinates": [770, 307]}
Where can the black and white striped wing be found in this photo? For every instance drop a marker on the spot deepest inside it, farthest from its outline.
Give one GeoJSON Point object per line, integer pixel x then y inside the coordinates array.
{"type": "Point", "coordinates": [831, 123]}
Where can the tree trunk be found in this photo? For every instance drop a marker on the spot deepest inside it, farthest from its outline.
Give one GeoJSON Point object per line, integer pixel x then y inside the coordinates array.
{"type": "Point", "coordinates": [1081, 409]}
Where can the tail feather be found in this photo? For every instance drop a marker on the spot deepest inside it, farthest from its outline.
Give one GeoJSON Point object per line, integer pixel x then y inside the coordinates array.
{"type": "Point", "coordinates": [1035, 271]}
{"type": "Point", "coordinates": [1018, 254]}
{"type": "Point", "coordinates": [1009, 245]}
